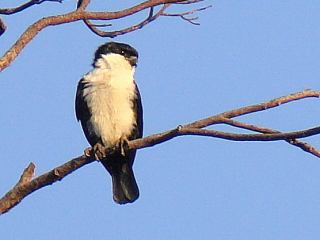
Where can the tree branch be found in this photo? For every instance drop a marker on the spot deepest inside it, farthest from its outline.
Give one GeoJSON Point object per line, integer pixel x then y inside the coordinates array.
{"type": "Point", "coordinates": [248, 137]}
{"type": "Point", "coordinates": [26, 185]}
{"type": "Point", "coordinates": [186, 15]}
{"type": "Point", "coordinates": [254, 108]}
{"type": "Point", "coordinates": [81, 14]}
{"type": "Point", "coordinates": [304, 146]}
{"type": "Point", "coordinates": [151, 17]}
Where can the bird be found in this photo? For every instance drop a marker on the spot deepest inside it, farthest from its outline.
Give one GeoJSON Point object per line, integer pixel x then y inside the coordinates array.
{"type": "Point", "coordinates": [108, 106]}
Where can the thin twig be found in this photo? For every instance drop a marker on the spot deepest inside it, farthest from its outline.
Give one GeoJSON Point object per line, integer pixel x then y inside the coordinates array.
{"type": "Point", "coordinates": [27, 175]}
{"type": "Point", "coordinates": [254, 108]}
{"type": "Point", "coordinates": [184, 15]}
{"type": "Point", "coordinates": [132, 28]}
{"type": "Point", "coordinates": [302, 145]}
{"type": "Point", "coordinates": [190, 2]}
{"type": "Point", "coordinates": [9, 11]}
{"type": "Point", "coordinates": [305, 147]}
{"type": "Point", "coordinates": [249, 137]}
{"type": "Point", "coordinates": [100, 24]}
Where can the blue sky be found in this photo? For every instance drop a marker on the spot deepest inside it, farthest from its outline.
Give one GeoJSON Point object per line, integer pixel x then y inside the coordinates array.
{"type": "Point", "coordinates": [244, 52]}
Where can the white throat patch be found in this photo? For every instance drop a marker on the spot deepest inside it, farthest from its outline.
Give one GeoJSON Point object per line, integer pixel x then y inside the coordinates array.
{"type": "Point", "coordinates": [109, 92]}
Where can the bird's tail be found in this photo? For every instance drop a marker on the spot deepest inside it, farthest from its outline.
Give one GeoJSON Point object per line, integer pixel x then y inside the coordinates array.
{"type": "Point", "coordinates": [124, 185]}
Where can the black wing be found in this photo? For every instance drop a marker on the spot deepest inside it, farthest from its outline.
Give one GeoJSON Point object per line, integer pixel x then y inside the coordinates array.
{"type": "Point", "coordinates": [81, 107]}
{"type": "Point", "coordinates": [138, 111]}
{"type": "Point", "coordinates": [83, 114]}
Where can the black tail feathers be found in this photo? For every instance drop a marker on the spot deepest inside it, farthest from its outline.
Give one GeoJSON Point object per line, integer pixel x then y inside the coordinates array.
{"type": "Point", "coordinates": [124, 185]}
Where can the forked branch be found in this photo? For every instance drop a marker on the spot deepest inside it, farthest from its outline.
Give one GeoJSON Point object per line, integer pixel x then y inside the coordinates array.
{"type": "Point", "coordinates": [82, 14]}
{"type": "Point", "coordinates": [151, 17]}
{"type": "Point", "coordinates": [187, 15]}
{"type": "Point", "coordinates": [27, 185]}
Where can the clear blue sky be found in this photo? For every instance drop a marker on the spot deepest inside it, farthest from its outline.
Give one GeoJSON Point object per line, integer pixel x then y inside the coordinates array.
{"type": "Point", "coordinates": [244, 52]}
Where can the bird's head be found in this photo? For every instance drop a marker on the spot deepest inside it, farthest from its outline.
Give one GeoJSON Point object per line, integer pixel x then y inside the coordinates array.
{"type": "Point", "coordinates": [125, 50]}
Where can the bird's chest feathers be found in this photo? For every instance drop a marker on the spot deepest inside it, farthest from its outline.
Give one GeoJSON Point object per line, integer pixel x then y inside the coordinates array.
{"type": "Point", "coordinates": [110, 100]}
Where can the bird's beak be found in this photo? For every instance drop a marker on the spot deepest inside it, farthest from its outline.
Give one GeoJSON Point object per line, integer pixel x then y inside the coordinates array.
{"type": "Point", "coordinates": [133, 60]}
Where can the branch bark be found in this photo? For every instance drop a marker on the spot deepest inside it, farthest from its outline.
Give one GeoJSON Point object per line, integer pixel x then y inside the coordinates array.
{"type": "Point", "coordinates": [26, 185]}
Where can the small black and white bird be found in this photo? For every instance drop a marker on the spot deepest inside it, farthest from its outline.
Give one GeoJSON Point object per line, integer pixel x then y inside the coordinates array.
{"type": "Point", "coordinates": [108, 105]}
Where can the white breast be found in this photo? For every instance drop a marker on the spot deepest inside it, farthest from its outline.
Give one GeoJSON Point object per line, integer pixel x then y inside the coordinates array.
{"type": "Point", "coordinates": [109, 96]}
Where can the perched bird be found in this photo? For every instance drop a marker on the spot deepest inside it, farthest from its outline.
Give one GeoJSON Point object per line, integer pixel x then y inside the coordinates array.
{"type": "Point", "coordinates": [108, 105]}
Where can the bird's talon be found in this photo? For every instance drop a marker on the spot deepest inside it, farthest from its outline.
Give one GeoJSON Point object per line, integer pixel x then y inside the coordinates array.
{"type": "Point", "coordinates": [99, 151]}
{"type": "Point", "coordinates": [97, 156]}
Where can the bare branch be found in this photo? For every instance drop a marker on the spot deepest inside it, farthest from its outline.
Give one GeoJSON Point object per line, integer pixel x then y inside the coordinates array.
{"type": "Point", "coordinates": [132, 28]}
{"type": "Point", "coordinates": [249, 137]}
{"type": "Point", "coordinates": [190, 2]}
{"type": "Point", "coordinates": [185, 15]}
{"type": "Point", "coordinates": [94, 29]}
{"type": "Point", "coordinates": [304, 146]}
{"type": "Point", "coordinates": [184, 130]}
{"type": "Point", "coordinates": [26, 185]}
{"type": "Point", "coordinates": [99, 24]}
{"type": "Point", "coordinates": [12, 198]}
{"type": "Point", "coordinates": [77, 15]}
{"type": "Point", "coordinates": [253, 108]}
{"type": "Point", "coordinates": [27, 174]}
{"type": "Point", "coordinates": [9, 11]}
{"type": "Point", "coordinates": [151, 17]}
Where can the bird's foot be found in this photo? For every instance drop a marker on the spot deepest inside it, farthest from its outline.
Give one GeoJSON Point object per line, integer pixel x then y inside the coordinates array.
{"type": "Point", "coordinates": [99, 151]}
{"type": "Point", "coordinates": [123, 145]}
